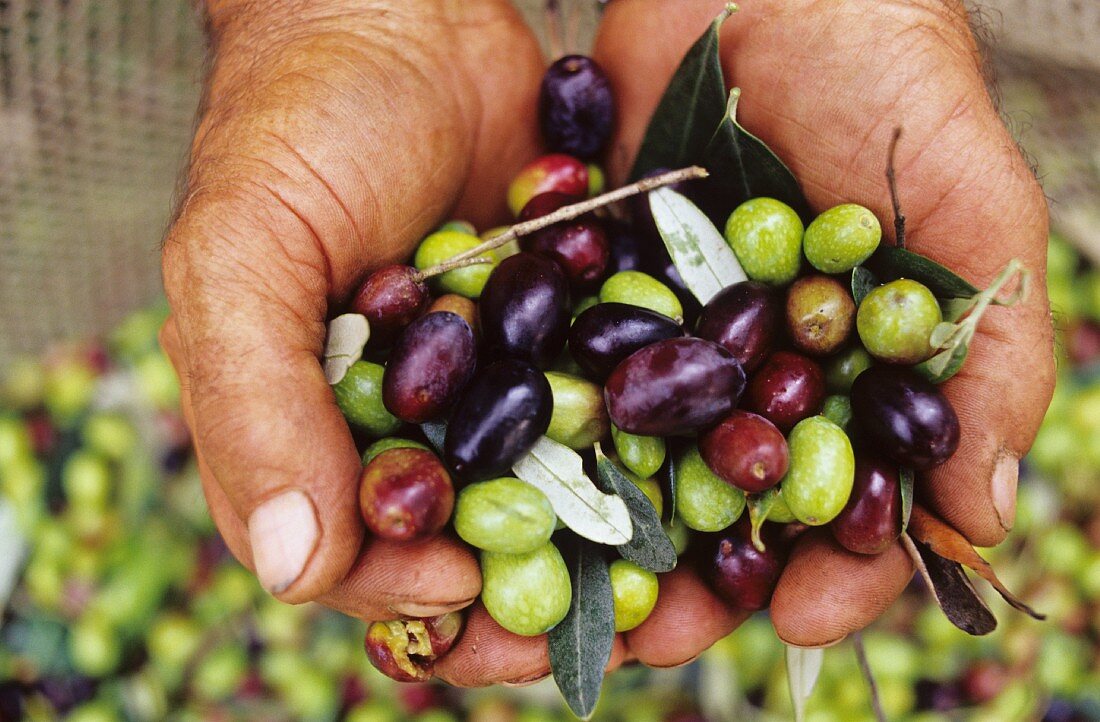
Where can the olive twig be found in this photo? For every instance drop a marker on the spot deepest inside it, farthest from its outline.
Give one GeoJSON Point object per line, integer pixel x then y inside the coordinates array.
{"type": "Point", "coordinates": [568, 213]}
{"type": "Point", "coordinates": [865, 668]}
{"type": "Point", "coordinates": [450, 264]}
{"type": "Point", "coordinates": [892, 182]}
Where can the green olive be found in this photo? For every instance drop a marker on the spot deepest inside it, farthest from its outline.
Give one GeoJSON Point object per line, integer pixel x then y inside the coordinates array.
{"type": "Point", "coordinates": [838, 409]}
{"type": "Point", "coordinates": [504, 515]}
{"type": "Point", "coordinates": [895, 321]}
{"type": "Point", "coordinates": [444, 245]}
{"type": "Point", "coordinates": [634, 591]}
{"type": "Point", "coordinates": [703, 500]}
{"type": "Point", "coordinates": [841, 238]}
{"type": "Point", "coordinates": [844, 367]}
{"type": "Point", "coordinates": [766, 236]}
{"type": "Point", "coordinates": [359, 396]}
{"type": "Point", "coordinates": [643, 455]}
{"type": "Point", "coordinates": [641, 289]}
{"type": "Point", "coordinates": [579, 418]}
{"type": "Point", "coordinates": [527, 594]}
{"type": "Point", "coordinates": [390, 442]}
{"type": "Point", "coordinates": [821, 472]}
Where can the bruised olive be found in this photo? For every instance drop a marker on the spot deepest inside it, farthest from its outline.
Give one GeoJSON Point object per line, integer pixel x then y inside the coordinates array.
{"type": "Point", "coordinates": [524, 309]}
{"type": "Point", "coordinates": [605, 334]}
{"type": "Point", "coordinates": [407, 649]}
{"type": "Point", "coordinates": [820, 314]}
{"type": "Point", "coordinates": [430, 363]}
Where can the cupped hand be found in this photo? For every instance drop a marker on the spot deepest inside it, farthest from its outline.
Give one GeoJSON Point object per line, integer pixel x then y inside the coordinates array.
{"type": "Point", "coordinates": [332, 137]}
{"type": "Point", "coordinates": [824, 83]}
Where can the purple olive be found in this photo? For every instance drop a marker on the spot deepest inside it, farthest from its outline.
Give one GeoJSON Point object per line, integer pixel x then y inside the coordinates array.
{"type": "Point", "coordinates": [673, 387]}
{"type": "Point", "coordinates": [576, 108]}
{"type": "Point", "coordinates": [602, 336]}
{"type": "Point", "coordinates": [390, 298]}
{"type": "Point", "coordinates": [432, 360]}
{"type": "Point", "coordinates": [524, 309]}
{"type": "Point", "coordinates": [504, 410]}
{"type": "Point", "coordinates": [580, 246]}
{"type": "Point", "coordinates": [625, 247]}
{"type": "Point", "coordinates": [744, 319]}
{"type": "Point", "coordinates": [871, 520]}
{"type": "Point", "coordinates": [737, 571]}
{"type": "Point", "coordinates": [405, 494]}
{"type": "Point", "coordinates": [904, 416]}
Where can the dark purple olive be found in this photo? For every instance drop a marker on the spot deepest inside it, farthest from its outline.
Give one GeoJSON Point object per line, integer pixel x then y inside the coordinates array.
{"type": "Point", "coordinates": [904, 416]}
{"type": "Point", "coordinates": [744, 319]}
{"type": "Point", "coordinates": [390, 298]}
{"type": "Point", "coordinates": [524, 309]}
{"type": "Point", "coordinates": [871, 520]}
{"type": "Point", "coordinates": [579, 246]}
{"type": "Point", "coordinates": [576, 108]}
{"type": "Point", "coordinates": [673, 387]}
{"type": "Point", "coordinates": [604, 335]}
{"type": "Point", "coordinates": [625, 247]}
{"type": "Point", "coordinates": [432, 360]}
{"type": "Point", "coordinates": [737, 571]}
{"type": "Point", "coordinates": [504, 410]}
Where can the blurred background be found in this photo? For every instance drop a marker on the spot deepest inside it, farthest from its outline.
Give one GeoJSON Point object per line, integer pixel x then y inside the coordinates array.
{"type": "Point", "coordinates": [118, 600]}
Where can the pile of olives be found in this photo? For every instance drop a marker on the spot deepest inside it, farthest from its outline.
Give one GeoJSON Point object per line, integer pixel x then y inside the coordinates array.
{"type": "Point", "coordinates": [781, 394]}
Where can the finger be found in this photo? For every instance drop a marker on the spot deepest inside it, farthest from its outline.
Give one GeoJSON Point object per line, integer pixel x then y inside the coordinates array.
{"type": "Point", "coordinates": [687, 620]}
{"type": "Point", "coordinates": [970, 199]}
{"type": "Point", "coordinates": [827, 592]}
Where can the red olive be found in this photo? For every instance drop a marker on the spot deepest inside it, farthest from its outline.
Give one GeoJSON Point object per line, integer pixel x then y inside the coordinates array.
{"type": "Point", "coordinates": [405, 494]}
{"type": "Point", "coordinates": [746, 450]}
{"type": "Point", "coordinates": [391, 298]}
{"type": "Point", "coordinates": [871, 520]}
{"type": "Point", "coordinates": [406, 649]}
{"type": "Point", "coordinates": [787, 388]}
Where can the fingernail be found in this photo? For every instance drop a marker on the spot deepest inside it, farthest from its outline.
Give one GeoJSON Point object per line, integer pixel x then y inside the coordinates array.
{"type": "Point", "coordinates": [413, 609]}
{"type": "Point", "coordinates": [685, 663]}
{"type": "Point", "coordinates": [526, 681]}
{"type": "Point", "coordinates": [283, 532]}
{"type": "Point", "coordinates": [1006, 472]}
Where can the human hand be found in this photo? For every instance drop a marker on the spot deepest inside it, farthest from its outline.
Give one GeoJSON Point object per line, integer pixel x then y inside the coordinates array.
{"type": "Point", "coordinates": [824, 83]}
{"type": "Point", "coordinates": [333, 136]}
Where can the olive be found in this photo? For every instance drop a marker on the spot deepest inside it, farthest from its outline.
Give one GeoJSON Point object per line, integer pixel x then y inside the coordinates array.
{"type": "Point", "coordinates": [907, 418]}
{"type": "Point", "coordinates": [405, 494]}
{"type": "Point", "coordinates": [504, 515]}
{"type": "Point", "coordinates": [406, 649]}
{"type": "Point", "coordinates": [576, 108]}
{"type": "Point", "coordinates": [390, 298]}
{"type": "Point", "coordinates": [737, 571]}
{"type": "Point", "coordinates": [743, 319]}
{"type": "Point", "coordinates": [704, 501]}
{"type": "Point", "coordinates": [605, 334]}
{"type": "Point", "coordinates": [673, 387]}
{"type": "Point", "coordinates": [524, 309]}
{"type": "Point", "coordinates": [820, 314]}
{"type": "Point", "coordinates": [431, 362]}
{"type": "Point", "coordinates": [822, 466]}
{"type": "Point", "coordinates": [505, 408]}
{"type": "Point", "coordinates": [786, 389]}
{"type": "Point", "coordinates": [746, 450]}
{"type": "Point", "coordinates": [871, 520]}
{"type": "Point", "coordinates": [527, 594]}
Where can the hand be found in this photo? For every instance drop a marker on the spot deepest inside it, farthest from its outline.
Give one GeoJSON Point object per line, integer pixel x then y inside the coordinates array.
{"type": "Point", "coordinates": [824, 83]}
{"type": "Point", "coordinates": [333, 136]}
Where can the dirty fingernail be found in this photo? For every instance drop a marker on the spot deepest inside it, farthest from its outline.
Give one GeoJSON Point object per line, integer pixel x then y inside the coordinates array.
{"type": "Point", "coordinates": [415, 609]}
{"type": "Point", "coordinates": [526, 681]}
{"type": "Point", "coordinates": [283, 532]}
{"type": "Point", "coordinates": [1006, 473]}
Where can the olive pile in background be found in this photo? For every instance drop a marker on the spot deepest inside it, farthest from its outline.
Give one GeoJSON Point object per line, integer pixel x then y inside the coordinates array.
{"type": "Point", "coordinates": [780, 394]}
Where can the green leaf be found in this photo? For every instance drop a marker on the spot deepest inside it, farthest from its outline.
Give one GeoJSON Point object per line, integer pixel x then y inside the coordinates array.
{"type": "Point", "coordinates": [701, 255]}
{"type": "Point", "coordinates": [649, 547]}
{"type": "Point", "coordinates": [890, 263]}
{"type": "Point", "coordinates": [691, 107]}
{"type": "Point", "coordinates": [557, 471]}
{"type": "Point", "coordinates": [741, 167]}
{"type": "Point", "coordinates": [803, 668]}
{"type": "Point", "coordinates": [863, 282]}
{"type": "Point", "coordinates": [907, 479]}
{"type": "Point", "coordinates": [673, 460]}
{"type": "Point", "coordinates": [436, 433]}
{"type": "Point", "coordinates": [580, 645]}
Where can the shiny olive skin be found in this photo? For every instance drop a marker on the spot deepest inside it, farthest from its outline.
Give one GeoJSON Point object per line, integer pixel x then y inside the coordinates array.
{"type": "Point", "coordinates": [905, 417]}
{"type": "Point", "coordinates": [605, 334]}
{"type": "Point", "coordinates": [431, 362]}
{"type": "Point", "coordinates": [788, 388]}
{"type": "Point", "coordinates": [405, 494]}
{"type": "Point", "coordinates": [524, 309]}
{"type": "Point", "coordinates": [576, 107]}
{"type": "Point", "coordinates": [673, 388]}
{"type": "Point", "coordinates": [625, 247]}
{"type": "Point", "coordinates": [580, 246]}
{"type": "Point", "coordinates": [745, 450]}
{"type": "Point", "coordinates": [505, 408]}
{"type": "Point", "coordinates": [744, 319]}
{"type": "Point", "coordinates": [737, 571]}
{"type": "Point", "coordinates": [390, 298]}
{"type": "Point", "coordinates": [871, 520]}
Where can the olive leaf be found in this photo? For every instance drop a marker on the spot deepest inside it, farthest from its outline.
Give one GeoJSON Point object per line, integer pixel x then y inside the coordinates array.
{"type": "Point", "coordinates": [863, 282]}
{"type": "Point", "coordinates": [741, 167]}
{"type": "Point", "coordinates": [691, 107]}
{"type": "Point", "coordinates": [672, 463]}
{"type": "Point", "coordinates": [803, 668]}
{"type": "Point", "coordinates": [760, 505]}
{"type": "Point", "coordinates": [436, 433]}
{"type": "Point", "coordinates": [943, 541]}
{"type": "Point", "coordinates": [954, 593]}
{"type": "Point", "coordinates": [701, 255]}
{"type": "Point", "coordinates": [580, 645]}
{"type": "Point", "coordinates": [890, 263]}
{"type": "Point", "coordinates": [347, 335]}
{"type": "Point", "coordinates": [15, 546]}
{"type": "Point", "coordinates": [558, 471]}
{"type": "Point", "coordinates": [649, 547]}
{"type": "Point", "coordinates": [907, 479]}
{"type": "Point", "coordinates": [952, 338]}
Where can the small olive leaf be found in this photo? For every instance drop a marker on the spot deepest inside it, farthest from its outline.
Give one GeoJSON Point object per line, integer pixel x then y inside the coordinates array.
{"type": "Point", "coordinates": [557, 471]}
{"type": "Point", "coordinates": [580, 645]}
{"type": "Point", "coordinates": [701, 255]}
{"type": "Point", "coordinates": [908, 477]}
{"type": "Point", "coordinates": [863, 282]}
{"type": "Point", "coordinates": [944, 541]}
{"type": "Point", "coordinates": [953, 591]}
{"type": "Point", "coordinates": [649, 547]}
{"type": "Point", "coordinates": [952, 338]}
{"type": "Point", "coordinates": [672, 465]}
{"type": "Point", "coordinates": [760, 505]}
{"type": "Point", "coordinates": [803, 668]}
{"type": "Point", "coordinates": [436, 434]}
{"type": "Point", "coordinates": [691, 107]}
{"type": "Point", "coordinates": [14, 546]}
{"type": "Point", "coordinates": [347, 335]}
{"type": "Point", "coordinates": [741, 167]}
{"type": "Point", "coordinates": [890, 263]}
